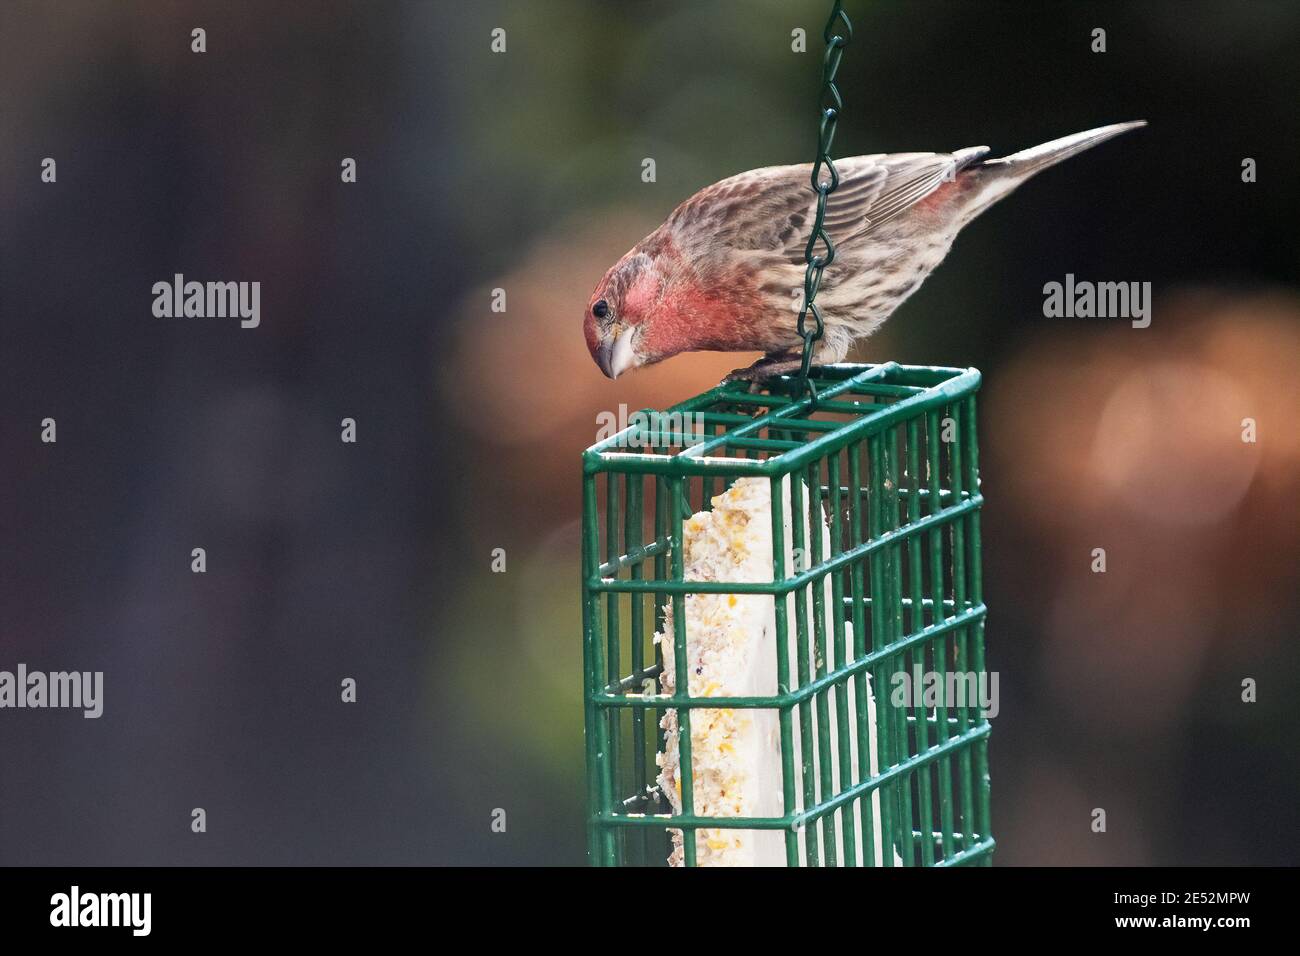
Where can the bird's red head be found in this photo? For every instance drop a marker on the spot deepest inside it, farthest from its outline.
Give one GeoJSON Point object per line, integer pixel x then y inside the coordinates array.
{"type": "Point", "coordinates": [619, 312]}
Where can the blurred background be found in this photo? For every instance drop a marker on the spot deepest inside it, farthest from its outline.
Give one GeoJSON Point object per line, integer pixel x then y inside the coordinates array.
{"type": "Point", "coordinates": [522, 171]}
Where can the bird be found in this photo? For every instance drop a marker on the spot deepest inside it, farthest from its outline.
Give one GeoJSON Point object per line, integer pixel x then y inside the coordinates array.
{"type": "Point", "coordinates": [725, 271]}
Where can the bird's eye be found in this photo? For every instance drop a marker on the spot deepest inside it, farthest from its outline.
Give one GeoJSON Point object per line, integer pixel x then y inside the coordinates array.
{"type": "Point", "coordinates": [600, 309]}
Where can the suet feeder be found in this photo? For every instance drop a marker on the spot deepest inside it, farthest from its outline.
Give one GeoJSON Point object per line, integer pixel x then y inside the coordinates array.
{"type": "Point", "coordinates": [799, 557]}
{"type": "Point", "coordinates": [799, 554]}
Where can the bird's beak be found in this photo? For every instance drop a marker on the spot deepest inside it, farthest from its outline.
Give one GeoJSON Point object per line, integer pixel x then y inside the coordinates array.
{"type": "Point", "coordinates": [615, 355]}
{"type": "Point", "coordinates": [603, 356]}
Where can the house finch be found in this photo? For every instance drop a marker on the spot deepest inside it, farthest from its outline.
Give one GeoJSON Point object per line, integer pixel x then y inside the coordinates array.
{"type": "Point", "coordinates": [721, 273]}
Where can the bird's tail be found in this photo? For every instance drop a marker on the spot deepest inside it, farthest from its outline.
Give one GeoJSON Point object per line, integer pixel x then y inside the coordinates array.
{"type": "Point", "coordinates": [993, 179]}
{"type": "Point", "coordinates": [1034, 160]}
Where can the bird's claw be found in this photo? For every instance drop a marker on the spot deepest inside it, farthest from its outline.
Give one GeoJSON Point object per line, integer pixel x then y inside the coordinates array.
{"type": "Point", "coordinates": [764, 371]}
{"type": "Point", "coordinates": [741, 375]}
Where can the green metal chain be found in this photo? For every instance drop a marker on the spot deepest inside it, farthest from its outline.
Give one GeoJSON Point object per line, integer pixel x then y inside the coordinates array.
{"type": "Point", "coordinates": [829, 105]}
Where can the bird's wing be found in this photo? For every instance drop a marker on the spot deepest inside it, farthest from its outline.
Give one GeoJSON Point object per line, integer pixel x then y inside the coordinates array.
{"type": "Point", "coordinates": [912, 177]}
{"type": "Point", "coordinates": [772, 209]}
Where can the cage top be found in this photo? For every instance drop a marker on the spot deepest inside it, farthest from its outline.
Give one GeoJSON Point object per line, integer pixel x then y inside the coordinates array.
{"type": "Point", "coordinates": [721, 431]}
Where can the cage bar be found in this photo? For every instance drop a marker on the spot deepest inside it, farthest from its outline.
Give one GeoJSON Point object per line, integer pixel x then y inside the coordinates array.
{"type": "Point", "coordinates": [876, 485]}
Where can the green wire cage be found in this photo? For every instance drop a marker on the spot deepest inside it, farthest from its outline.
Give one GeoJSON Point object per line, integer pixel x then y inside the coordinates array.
{"type": "Point", "coordinates": [885, 461]}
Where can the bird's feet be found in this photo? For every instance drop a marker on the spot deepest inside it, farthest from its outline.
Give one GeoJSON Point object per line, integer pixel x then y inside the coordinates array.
{"type": "Point", "coordinates": [766, 369]}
